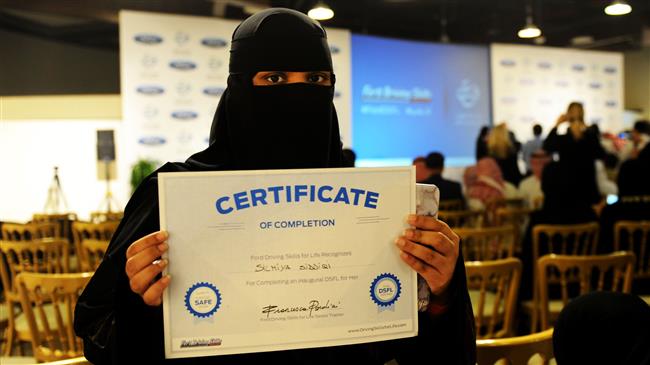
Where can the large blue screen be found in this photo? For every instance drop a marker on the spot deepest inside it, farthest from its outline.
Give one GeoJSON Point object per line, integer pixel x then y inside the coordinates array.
{"type": "Point", "coordinates": [411, 98]}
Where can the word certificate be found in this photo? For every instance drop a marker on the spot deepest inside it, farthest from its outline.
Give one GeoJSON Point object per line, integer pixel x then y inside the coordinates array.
{"type": "Point", "coordinates": [286, 259]}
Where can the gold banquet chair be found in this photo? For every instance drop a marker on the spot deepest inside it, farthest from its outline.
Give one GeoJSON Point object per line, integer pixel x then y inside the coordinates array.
{"type": "Point", "coordinates": [63, 222]}
{"type": "Point", "coordinates": [42, 256]}
{"type": "Point", "coordinates": [93, 253]}
{"type": "Point", "coordinates": [52, 331]}
{"type": "Point", "coordinates": [88, 230]}
{"type": "Point", "coordinates": [99, 217]}
{"type": "Point", "coordinates": [634, 236]}
{"type": "Point", "coordinates": [613, 273]}
{"type": "Point", "coordinates": [29, 231]}
{"type": "Point", "coordinates": [516, 350]}
{"type": "Point", "coordinates": [462, 218]}
{"type": "Point", "coordinates": [566, 239]}
{"type": "Point", "coordinates": [487, 243]}
{"type": "Point", "coordinates": [493, 287]}
{"type": "Point", "coordinates": [517, 217]}
{"type": "Point", "coordinates": [451, 205]}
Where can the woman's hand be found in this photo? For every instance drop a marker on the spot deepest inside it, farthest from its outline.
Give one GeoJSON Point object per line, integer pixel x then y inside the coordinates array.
{"type": "Point", "coordinates": [561, 119]}
{"type": "Point", "coordinates": [431, 249]}
{"type": "Point", "coordinates": [143, 264]}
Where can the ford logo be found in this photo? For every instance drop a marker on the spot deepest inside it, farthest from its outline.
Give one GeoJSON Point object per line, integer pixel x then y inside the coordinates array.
{"type": "Point", "coordinates": [150, 90]}
{"type": "Point", "coordinates": [213, 91]}
{"type": "Point", "coordinates": [148, 38]}
{"type": "Point", "coordinates": [545, 65]}
{"type": "Point", "coordinates": [214, 42]}
{"type": "Point", "coordinates": [610, 69]}
{"type": "Point", "coordinates": [184, 115]}
{"type": "Point", "coordinates": [610, 103]}
{"type": "Point", "coordinates": [595, 85]}
{"type": "Point", "coordinates": [337, 94]}
{"type": "Point", "coordinates": [152, 141]}
{"type": "Point", "coordinates": [508, 63]}
{"type": "Point", "coordinates": [334, 49]}
{"type": "Point", "coordinates": [183, 65]}
{"type": "Point", "coordinates": [578, 67]}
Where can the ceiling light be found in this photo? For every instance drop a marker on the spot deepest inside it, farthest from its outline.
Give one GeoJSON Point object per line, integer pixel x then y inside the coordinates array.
{"type": "Point", "coordinates": [321, 12]}
{"type": "Point", "coordinates": [530, 30]}
{"type": "Point", "coordinates": [618, 7]}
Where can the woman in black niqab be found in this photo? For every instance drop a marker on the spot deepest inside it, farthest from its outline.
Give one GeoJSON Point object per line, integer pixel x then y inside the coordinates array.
{"type": "Point", "coordinates": [280, 126]}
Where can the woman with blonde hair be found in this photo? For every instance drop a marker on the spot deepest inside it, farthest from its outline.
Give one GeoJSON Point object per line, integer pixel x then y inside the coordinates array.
{"type": "Point", "coordinates": [503, 147]}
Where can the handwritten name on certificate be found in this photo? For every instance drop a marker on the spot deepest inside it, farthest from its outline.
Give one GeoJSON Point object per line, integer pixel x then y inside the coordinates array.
{"type": "Point", "coordinates": [286, 259]}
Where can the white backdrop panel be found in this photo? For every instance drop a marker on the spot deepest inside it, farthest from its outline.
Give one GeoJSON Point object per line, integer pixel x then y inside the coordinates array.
{"type": "Point", "coordinates": [532, 84]}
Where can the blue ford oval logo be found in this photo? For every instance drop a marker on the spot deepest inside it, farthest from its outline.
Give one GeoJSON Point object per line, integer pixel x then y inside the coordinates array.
{"type": "Point", "coordinates": [595, 85]}
{"type": "Point", "coordinates": [214, 42]}
{"type": "Point", "coordinates": [508, 63]}
{"type": "Point", "coordinates": [610, 69]}
{"type": "Point", "coordinates": [148, 38]}
{"type": "Point", "coordinates": [610, 103]}
{"type": "Point", "coordinates": [152, 141]}
{"type": "Point", "coordinates": [150, 90]}
{"type": "Point", "coordinates": [213, 91]}
{"type": "Point", "coordinates": [182, 65]}
{"type": "Point", "coordinates": [334, 49]}
{"type": "Point", "coordinates": [184, 115]}
{"type": "Point", "coordinates": [578, 67]}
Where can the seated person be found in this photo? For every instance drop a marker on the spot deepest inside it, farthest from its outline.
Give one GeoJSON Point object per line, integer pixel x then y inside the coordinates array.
{"type": "Point", "coordinates": [449, 190]}
{"type": "Point", "coordinates": [603, 328]}
{"type": "Point", "coordinates": [422, 172]}
{"type": "Point", "coordinates": [530, 188]}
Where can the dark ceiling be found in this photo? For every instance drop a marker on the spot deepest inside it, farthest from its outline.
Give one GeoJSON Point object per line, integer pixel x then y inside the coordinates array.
{"type": "Point", "coordinates": [94, 22]}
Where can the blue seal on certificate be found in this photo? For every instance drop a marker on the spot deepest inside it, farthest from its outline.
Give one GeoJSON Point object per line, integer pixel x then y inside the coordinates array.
{"type": "Point", "coordinates": [202, 299]}
{"type": "Point", "coordinates": [385, 290]}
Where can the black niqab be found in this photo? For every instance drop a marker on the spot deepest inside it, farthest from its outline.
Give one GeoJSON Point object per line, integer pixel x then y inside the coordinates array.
{"type": "Point", "coordinates": [281, 126]}
{"type": "Point", "coordinates": [256, 127]}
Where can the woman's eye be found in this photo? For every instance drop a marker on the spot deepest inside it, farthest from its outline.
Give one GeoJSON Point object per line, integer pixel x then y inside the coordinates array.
{"type": "Point", "coordinates": [316, 78]}
{"type": "Point", "coordinates": [275, 78]}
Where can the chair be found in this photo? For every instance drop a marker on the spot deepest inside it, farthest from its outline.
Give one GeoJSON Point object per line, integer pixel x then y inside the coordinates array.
{"type": "Point", "coordinates": [52, 331]}
{"type": "Point", "coordinates": [93, 253]}
{"type": "Point", "coordinates": [63, 221]}
{"type": "Point", "coordinates": [88, 230]}
{"type": "Point", "coordinates": [488, 243]}
{"type": "Point", "coordinates": [615, 269]}
{"type": "Point", "coordinates": [515, 350]}
{"type": "Point", "coordinates": [99, 217]}
{"type": "Point", "coordinates": [451, 205]}
{"type": "Point", "coordinates": [74, 361]}
{"type": "Point", "coordinates": [568, 239]}
{"type": "Point", "coordinates": [29, 231]}
{"type": "Point", "coordinates": [493, 287]}
{"type": "Point", "coordinates": [517, 217]}
{"type": "Point", "coordinates": [43, 256]}
{"type": "Point", "coordinates": [461, 218]}
{"type": "Point", "coordinates": [634, 236]}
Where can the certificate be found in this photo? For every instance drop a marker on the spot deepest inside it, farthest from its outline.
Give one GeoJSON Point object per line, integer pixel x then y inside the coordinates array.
{"type": "Point", "coordinates": [286, 259]}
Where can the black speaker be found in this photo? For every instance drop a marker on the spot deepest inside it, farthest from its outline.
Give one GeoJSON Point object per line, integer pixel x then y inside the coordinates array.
{"type": "Point", "coordinates": [105, 145]}
{"type": "Point", "coordinates": [106, 169]}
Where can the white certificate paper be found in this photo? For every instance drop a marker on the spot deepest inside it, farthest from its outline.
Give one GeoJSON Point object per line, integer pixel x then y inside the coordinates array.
{"type": "Point", "coordinates": [286, 259]}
